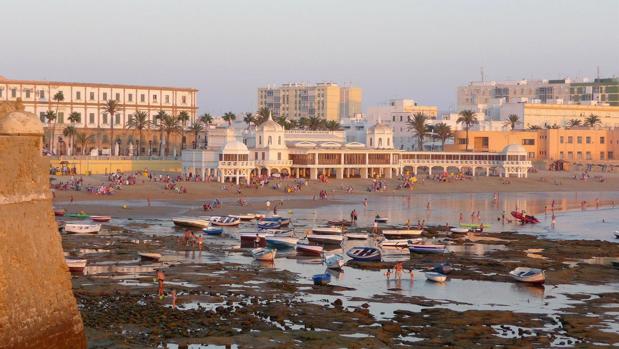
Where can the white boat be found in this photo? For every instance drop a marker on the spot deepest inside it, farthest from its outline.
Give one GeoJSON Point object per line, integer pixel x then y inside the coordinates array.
{"type": "Point", "coordinates": [528, 275]}
{"type": "Point", "coordinates": [403, 243]}
{"type": "Point", "coordinates": [401, 233]}
{"type": "Point", "coordinates": [148, 256]}
{"type": "Point", "coordinates": [617, 234]}
{"type": "Point", "coordinates": [334, 261]}
{"type": "Point", "coordinates": [357, 236]}
{"type": "Point", "coordinates": [459, 230]}
{"type": "Point", "coordinates": [225, 221]}
{"type": "Point", "coordinates": [426, 248]}
{"type": "Point", "coordinates": [282, 241]}
{"type": "Point", "coordinates": [76, 265]}
{"type": "Point", "coordinates": [191, 222]}
{"type": "Point", "coordinates": [326, 239]}
{"type": "Point", "coordinates": [327, 230]}
{"type": "Point", "coordinates": [244, 217]}
{"type": "Point", "coordinates": [75, 228]}
{"type": "Point", "coordinates": [264, 254]}
{"type": "Point", "coordinates": [436, 277]}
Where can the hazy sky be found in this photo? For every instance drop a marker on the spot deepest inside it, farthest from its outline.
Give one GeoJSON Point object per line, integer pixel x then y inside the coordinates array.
{"type": "Point", "coordinates": [392, 49]}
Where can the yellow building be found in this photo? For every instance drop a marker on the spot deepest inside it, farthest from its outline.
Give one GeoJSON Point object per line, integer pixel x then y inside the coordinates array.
{"type": "Point", "coordinates": [532, 114]}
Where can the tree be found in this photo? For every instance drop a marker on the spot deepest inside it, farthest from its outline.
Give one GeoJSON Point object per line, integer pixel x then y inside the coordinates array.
{"type": "Point", "coordinates": [183, 117]}
{"type": "Point", "coordinates": [468, 119]}
{"type": "Point", "coordinates": [574, 123]}
{"type": "Point", "coordinates": [332, 125]}
{"type": "Point", "coordinates": [169, 125]}
{"type": "Point", "coordinates": [443, 132]}
{"type": "Point", "coordinates": [83, 140]}
{"type": "Point", "coordinates": [159, 117]}
{"type": "Point", "coordinates": [314, 123]}
{"type": "Point", "coordinates": [111, 107]}
{"type": "Point", "coordinates": [206, 119]}
{"type": "Point", "coordinates": [592, 120]}
{"type": "Point", "coordinates": [282, 120]}
{"type": "Point", "coordinates": [229, 117]}
{"type": "Point", "coordinates": [139, 121]}
{"type": "Point", "coordinates": [70, 132]}
{"type": "Point", "coordinates": [51, 116]}
{"type": "Point", "coordinates": [196, 128]}
{"type": "Point", "coordinates": [512, 120]}
{"type": "Point", "coordinates": [418, 125]}
{"type": "Point", "coordinates": [75, 117]}
{"type": "Point", "coordinates": [262, 115]}
{"type": "Point", "coordinates": [535, 127]}
{"type": "Point", "coordinates": [249, 119]}
{"type": "Point", "coordinates": [303, 122]}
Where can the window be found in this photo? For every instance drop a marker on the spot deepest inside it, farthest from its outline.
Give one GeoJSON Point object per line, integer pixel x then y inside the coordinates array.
{"type": "Point", "coordinates": [262, 155]}
{"type": "Point", "coordinates": [92, 96]}
{"type": "Point", "coordinates": [184, 99]}
{"type": "Point", "coordinates": [461, 140]}
{"type": "Point", "coordinates": [256, 156]}
{"type": "Point", "coordinates": [611, 156]}
{"type": "Point", "coordinates": [13, 92]}
{"type": "Point", "coordinates": [400, 117]}
{"type": "Point", "coordinates": [105, 96]}
{"type": "Point", "coordinates": [279, 140]}
{"type": "Point", "coordinates": [588, 140]}
{"type": "Point", "coordinates": [91, 118]}
{"type": "Point", "coordinates": [561, 139]}
{"type": "Point", "coordinates": [370, 141]}
{"type": "Point", "coordinates": [561, 155]}
{"type": "Point", "coordinates": [105, 118]}
{"type": "Point", "coordinates": [531, 155]}
{"type": "Point", "coordinates": [579, 155]}
{"type": "Point", "coordinates": [27, 93]}
{"type": "Point", "coordinates": [78, 95]}
{"type": "Point", "coordinates": [579, 139]}
{"type": "Point", "coordinates": [528, 142]}
{"type": "Point", "coordinates": [570, 155]}
{"type": "Point", "coordinates": [601, 155]}
{"type": "Point", "coordinates": [118, 97]}
{"type": "Point", "coordinates": [155, 98]}
{"type": "Point", "coordinates": [167, 98]}
{"type": "Point", "coordinates": [41, 94]}
{"type": "Point", "coordinates": [270, 141]}
{"type": "Point", "coordinates": [117, 120]}
{"type": "Point", "coordinates": [570, 139]}
{"type": "Point", "coordinates": [602, 140]}
{"type": "Point", "coordinates": [588, 155]}
{"type": "Point", "coordinates": [259, 140]}
{"type": "Point", "coordinates": [42, 116]}
{"type": "Point", "coordinates": [130, 97]}
{"type": "Point", "coordinates": [380, 141]}
{"type": "Point", "coordinates": [279, 156]}
{"type": "Point", "coordinates": [388, 141]}
{"type": "Point", "coordinates": [142, 98]}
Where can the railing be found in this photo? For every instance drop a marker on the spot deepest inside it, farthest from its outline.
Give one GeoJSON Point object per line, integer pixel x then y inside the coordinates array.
{"type": "Point", "coordinates": [107, 157]}
{"type": "Point", "coordinates": [274, 162]}
{"type": "Point", "coordinates": [237, 164]}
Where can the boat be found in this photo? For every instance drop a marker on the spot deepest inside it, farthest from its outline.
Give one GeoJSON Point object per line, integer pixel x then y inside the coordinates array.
{"type": "Point", "coordinates": [281, 220]}
{"type": "Point", "coordinates": [340, 223]}
{"type": "Point", "coordinates": [436, 277]}
{"type": "Point", "coordinates": [326, 239]}
{"type": "Point", "coordinates": [524, 219]}
{"type": "Point", "coordinates": [422, 247]}
{"type": "Point", "coordinates": [76, 265]}
{"type": "Point", "coordinates": [149, 256]}
{"type": "Point", "coordinates": [617, 234]}
{"type": "Point", "coordinates": [225, 221]}
{"type": "Point", "coordinates": [249, 239]}
{"type": "Point", "coordinates": [310, 250]}
{"type": "Point", "coordinates": [356, 236]}
{"type": "Point", "coordinates": [379, 219]}
{"type": "Point", "coordinates": [282, 241]}
{"type": "Point", "coordinates": [402, 243]}
{"type": "Point", "coordinates": [213, 230]}
{"type": "Point", "coordinates": [321, 279]}
{"type": "Point", "coordinates": [100, 218]}
{"type": "Point", "coordinates": [76, 228]}
{"type": "Point", "coordinates": [59, 213]}
{"type": "Point", "coordinates": [443, 268]}
{"type": "Point", "coordinates": [528, 275]}
{"type": "Point", "coordinates": [191, 222]}
{"type": "Point", "coordinates": [365, 254]}
{"type": "Point", "coordinates": [244, 217]}
{"type": "Point", "coordinates": [459, 230]}
{"type": "Point", "coordinates": [77, 215]}
{"type": "Point", "coordinates": [269, 225]}
{"type": "Point", "coordinates": [327, 230]}
{"type": "Point", "coordinates": [401, 233]}
{"type": "Point", "coordinates": [474, 225]}
{"type": "Point", "coordinates": [334, 261]}
{"type": "Point", "coordinates": [264, 254]}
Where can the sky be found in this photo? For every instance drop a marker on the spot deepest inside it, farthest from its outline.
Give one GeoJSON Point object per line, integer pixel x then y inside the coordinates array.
{"type": "Point", "coordinates": [227, 49]}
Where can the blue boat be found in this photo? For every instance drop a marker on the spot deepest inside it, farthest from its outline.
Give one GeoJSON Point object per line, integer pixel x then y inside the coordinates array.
{"type": "Point", "coordinates": [365, 254]}
{"type": "Point", "coordinates": [426, 248]}
{"type": "Point", "coordinates": [281, 220]}
{"type": "Point", "coordinates": [269, 225]}
{"type": "Point", "coordinates": [213, 231]}
{"type": "Point", "coordinates": [321, 279]}
{"type": "Point", "coordinates": [443, 268]}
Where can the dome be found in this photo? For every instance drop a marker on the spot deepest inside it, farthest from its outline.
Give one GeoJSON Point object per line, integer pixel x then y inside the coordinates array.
{"type": "Point", "coordinates": [235, 147]}
{"type": "Point", "coordinates": [514, 149]}
{"type": "Point", "coordinates": [270, 125]}
{"type": "Point", "coordinates": [380, 127]}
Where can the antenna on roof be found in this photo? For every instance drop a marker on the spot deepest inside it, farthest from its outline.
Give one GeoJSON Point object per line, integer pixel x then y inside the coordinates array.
{"type": "Point", "coordinates": [481, 70]}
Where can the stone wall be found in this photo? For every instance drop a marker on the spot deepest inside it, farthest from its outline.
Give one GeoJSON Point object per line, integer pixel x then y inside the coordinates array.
{"type": "Point", "coordinates": [37, 306]}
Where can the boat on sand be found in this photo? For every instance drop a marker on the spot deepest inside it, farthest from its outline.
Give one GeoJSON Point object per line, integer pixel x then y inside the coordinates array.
{"type": "Point", "coordinates": [528, 275]}
{"type": "Point", "coordinates": [334, 261]}
{"type": "Point", "coordinates": [76, 228]}
{"type": "Point", "coordinates": [436, 277]}
{"type": "Point", "coordinates": [365, 254]}
{"type": "Point", "coordinates": [76, 265]}
{"type": "Point", "coordinates": [149, 256]}
{"type": "Point", "coordinates": [264, 254]}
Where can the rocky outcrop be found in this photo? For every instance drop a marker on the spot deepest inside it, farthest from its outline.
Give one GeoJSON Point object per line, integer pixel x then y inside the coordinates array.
{"type": "Point", "coordinates": [37, 306]}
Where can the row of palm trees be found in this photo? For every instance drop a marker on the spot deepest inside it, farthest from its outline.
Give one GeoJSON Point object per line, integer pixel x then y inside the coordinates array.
{"type": "Point", "coordinates": [313, 122]}
{"type": "Point", "coordinates": [419, 125]}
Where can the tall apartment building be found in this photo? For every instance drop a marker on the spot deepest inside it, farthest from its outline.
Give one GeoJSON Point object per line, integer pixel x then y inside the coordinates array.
{"type": "Point", "coordinates": [476, 95]}
{"type": "Point", "coordinates": [89, 99]}
{"type": "Point", "coordinates": [325, 100]}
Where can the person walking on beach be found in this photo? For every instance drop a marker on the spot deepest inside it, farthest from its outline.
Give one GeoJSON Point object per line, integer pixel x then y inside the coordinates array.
{"type": "Point", "coordinates": [553, 223]}
{"type": "Point", "coordinates": [200, 242]}
{"type": "Point", "coordinates": [461, 218]}
{"type": "Point", "coordinates": [160, 280]}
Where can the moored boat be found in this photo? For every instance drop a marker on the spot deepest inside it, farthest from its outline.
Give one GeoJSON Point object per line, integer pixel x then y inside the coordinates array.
{"type": "Point", "coordinates": [76, 228]}
{"type": "Point", "coordinates": [365, 254]}
{"type": "Point", "coordinates": [191, 222]}
{"type": "Point", "coordinates": [436, 277]}
{"type": "Point", "coordinates": [59, 212]}
{"type": "Point", "coordinates": [334, 261]}
{"type": "Point", "coordinates": [326, 239]}
{"type": "Point", "coordinates": [310, 250]}
{"type": "Point", "coordinates": [340, 223]}
{"type": "Point", "coordinates": [524, 218]}
{"type": "Point", "coordinates": [213, 230]}
{"type": "Point", "coordinates": [225, 221]}
{"type": "Point", "coordinates": [282, 241]}
{"type": "Point", "coordinates": [281, 220]}
{"type": "Point", "coordinates": [459, 230]}
{"type": "Point", "coordinates": [401, 233]}
{"type": "Point", "coordinates": [244, 217]}
{"type": "Point", "coordinates": [422, 247]}
{"type": "Point", "coordinates": [77, 215]}
{"type": "Point", "coordinates": [356, 236]}
{"type": "Point", "coordinates": [321, 279]}
{"type": "Point", "coordinates": [76, 265]}
{"type": "Point", "coordinates": [100, 218]}
{"type": "Point", "coordinates": [253, 239]}
{"type": "Point", "coordinates": [528, 275]}
{"type": "Point", "coordinates": [379, 219]}
{"type": "Point", "coordinates": [402, 243]}
{"type": "Point", "coordinates": [475, 225]}
{"type": "Point", "coordinates": [264, 254]}
{"type": "Point", "coordinates": [269, 225]}
{"type": "Point", "coordinates": [617, 234]}
{"type": "Point", "coordinates": [149, 256]}
{"type": "Point", "coordinates": [327, 230]}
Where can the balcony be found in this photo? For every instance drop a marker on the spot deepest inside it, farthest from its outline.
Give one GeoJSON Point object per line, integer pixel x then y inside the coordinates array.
{"type": "Point", "coordinates": [236, 164]}
{"type": "Point", "coordinates": [273, 162]}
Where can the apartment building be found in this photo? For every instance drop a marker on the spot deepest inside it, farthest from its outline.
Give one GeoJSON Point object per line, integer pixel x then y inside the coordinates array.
{"type": "Point", "coordinates": [325, 100]}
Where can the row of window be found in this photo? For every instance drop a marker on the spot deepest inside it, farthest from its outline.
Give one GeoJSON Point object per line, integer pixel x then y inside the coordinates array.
{"type": "Point", "coordinates": [104, 95]}
{"type": "Point", "coordinates": [570, 140]}
{"type": "Point", "coordinates": [570, 155]}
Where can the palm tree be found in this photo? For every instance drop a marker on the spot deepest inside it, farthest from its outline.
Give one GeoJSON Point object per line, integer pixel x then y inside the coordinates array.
{"type": "Point", "coordinates": [206, 119]}
{"type": "Point", "coordinates": [282, 120]}
{"type": "Point", "coordinates": [169, 124]}
{"type": "Point", "coordinates": [196, 128]}
{"type": "Point", "coordinates": [303, 122]}
{"type": "Point", "coordinates": [158, 118]}
{"type": "Point", "coordinates": [70, 132]}
{"type": "Point", "coordinates": [249, 119]}
{"type": "Point", "coordinates": [314, 122]}
{"type": "Point", "coordinates": [83, 140]}
{"type": "Point", "coordinates": [443, 132]}
{"type": "Point", "coordinates": [50, 116]}
{"type": "Point", "coordinates": [262, 115]}
{"type": "Point", "coordinates": [592, 120]}
{"type": "Point", "coordinates": [229, 117]}
{"type": "Point", "coordinates": [332, 125]}
{"type": "Point", "coordinates": [183, 117]}
{"type": "Point", "coordinates": [58, 97]}
{"type": "Point", "coordinates": [139, 121]}
{"type": "Point", "coordinates": [75, 117]}
{"type": "Point", "coordinates": [110, 107]}
{"type": "Point", "coordinates": [468, 119]}
{"type": "Point", "coordinates": [512, 120]}
{"type": "Point", "coordinates": [418, 124]}
{"type": "Point", "coordinates": [535, 127]}
{"type": "Point", "coordinates": [574, 123]}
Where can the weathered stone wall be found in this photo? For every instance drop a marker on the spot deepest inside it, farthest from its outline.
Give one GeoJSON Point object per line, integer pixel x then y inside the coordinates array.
{"type": "Point", "coordinates": [37, 306]}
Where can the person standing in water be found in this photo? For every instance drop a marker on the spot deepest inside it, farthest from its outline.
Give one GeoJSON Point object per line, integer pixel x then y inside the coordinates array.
{"type": "Point", "coordinates": [160, 280]}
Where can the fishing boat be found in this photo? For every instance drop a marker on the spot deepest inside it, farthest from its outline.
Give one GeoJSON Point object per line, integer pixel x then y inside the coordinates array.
{"type": "Point", "coordinates": [59, 212]}
{"type": "Point", "coordinates": [402, 243]}
{"type": "Point", "coordinates": [281, 220]}
{"type": "Point", "coordinates": [459, 230]}
{"type": "Point", "coordinates": [334, 261]}
{"type": "Point", "coordinates": [76, 265]}
{"type": "Point", "coordinates": [326, 239]}
{"type": "Point", "coordinates": [401, 233]}
{"type": "Point", "coordinates": [365, 254]}
{"type": "Point", "coordinates": [523, 218]}
{"type": "Point", "coordinates": [436, 277]}
{"type": "Point", "coordinates": [77, 215]}
{"type": "Point", "coordinates": [225, 221]}
{"type": "Point", "coordinates": [443, 268]}
{"type": "Point", "coordinates": [76, 228]}
{"type": "Point", "coordinates": [340, 223]}
{"type": "Point", "coordinates": [321, 279]}
{"type": "Point", "coordinates": [327, 230]}
{"type": "Point", "coordinates": [100, 218]}
{"type": "Point", "coordinates": [269, 225]}
{"type": "Point", "coordinates": [528, 275]}
{"type": "Point", "coordinates": [282, 241]}
{"type": "Point", "coordinates": [310, 250]}
{"type": "Point", "coordinates": [264, 254]}
{"type": "Point", "coordinates": [249, 239]}
{"type": "Point", "coordinates": [421, 247]}
{"type": "Point", "coordinates": [356, 236]}
{"type": "Point", "coordinates": [213, 230]}
{"type": "Point", "coordinates": [149, 256]}
{"type": "Point", "coordinates": [379, 219]}
{"type": "Point", "coordinates": [191, 222]}
{"type": "Point", "coordinates": [244, 217]}
{"type": "Point", "coordinates": [475, 225]}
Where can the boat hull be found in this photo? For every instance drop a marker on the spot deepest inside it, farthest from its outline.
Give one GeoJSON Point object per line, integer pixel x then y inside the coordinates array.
{"type": "Point", "coordinates": [429, 249]}
{"type": "Point", "coordinates": [436, 277]}
{"type": "Point", "coordinates": [100, 218]}
{"type": "Point", "coordinates": [264, 254]}
{"type": "Point", "coordinates": [76, 265]}
{"type": "Point", "coordinates": [401, 234]}
{"type": "Point", "coordinates": [326, 239]}
{"type": "Point", "coordinates": [327, 231]}
{"type": "Point", "coordinates": [528, 275]}
{"type": "Point", "coordinates": [364, 254]}
{"type": "Point", "coordinates": [82, 228]}
{"type": "Point", "coordinates": [283, 242]}
{"type": "Point", "coordinates": [155, 257]}
{"type": "Point", "coordinates": [309, 250]}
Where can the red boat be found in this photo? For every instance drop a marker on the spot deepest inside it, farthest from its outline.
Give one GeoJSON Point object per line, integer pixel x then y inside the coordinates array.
{"type": "Point", "coordinates": [59, 213]}
{"type": "Point", "coordinates": [524, 219]}
{"type": "Point", "coordinates": [101, 218]}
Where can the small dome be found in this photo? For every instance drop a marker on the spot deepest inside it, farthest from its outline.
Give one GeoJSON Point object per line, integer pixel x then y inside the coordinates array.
{"type": "Point", "coordinates": [514, 149]}
{"type": "Point", "coordinates": [270, 125]}
{"type": "Point", "coordinates": [235, 147]}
